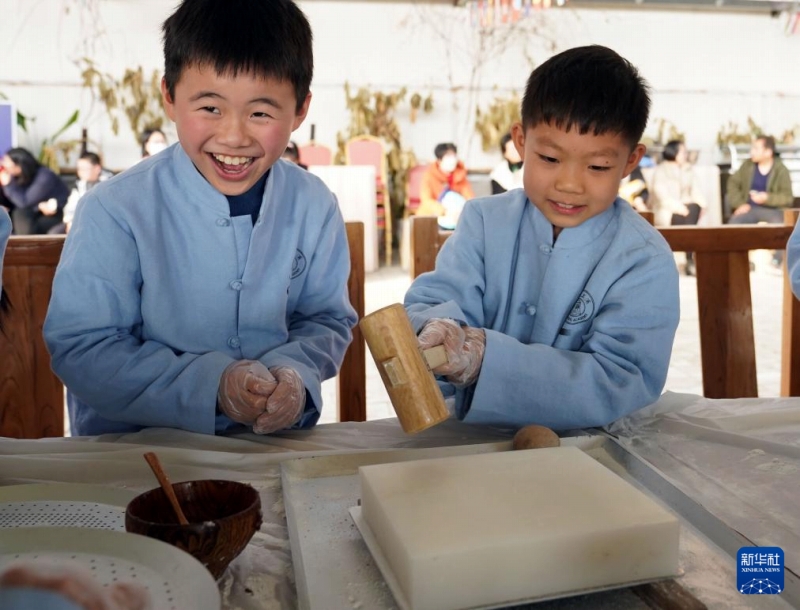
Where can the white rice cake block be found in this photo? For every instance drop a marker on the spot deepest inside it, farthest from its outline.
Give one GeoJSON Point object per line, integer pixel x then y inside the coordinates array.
{"type": "Point", "coordinates": [476, 530]}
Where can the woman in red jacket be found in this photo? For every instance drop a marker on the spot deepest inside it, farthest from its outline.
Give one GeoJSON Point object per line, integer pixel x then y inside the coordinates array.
{"type": "Point", "coordinates": [445, 186]}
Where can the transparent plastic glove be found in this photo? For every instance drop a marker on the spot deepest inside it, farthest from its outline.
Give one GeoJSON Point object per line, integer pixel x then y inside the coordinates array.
{"type": "Point", "coordinates": [464, 347]}
{"type": "Point", "coordinates": [244, 388]}
{"type": "Point", "coordinates": [78, 586]}
{"type": "Point", "coordinates": [285, 405]}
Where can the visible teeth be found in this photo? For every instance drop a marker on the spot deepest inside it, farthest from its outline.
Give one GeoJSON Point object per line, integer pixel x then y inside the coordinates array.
{"type": "Point", "coordinates": [227, 160]}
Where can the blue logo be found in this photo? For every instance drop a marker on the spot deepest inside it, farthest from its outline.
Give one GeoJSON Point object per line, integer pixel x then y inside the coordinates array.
{"type": "Point", "coordinates": [759, 570]}
{"type": "Point", "coordinates": [298, 264]}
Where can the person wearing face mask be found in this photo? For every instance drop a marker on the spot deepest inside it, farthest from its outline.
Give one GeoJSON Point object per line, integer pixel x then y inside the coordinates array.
{"type": "Point", "coordinates": [507, 175]}
{"type": "Point", "coordinates": [153, 142]}
{"type": "Point", "coordinates": [445, 187]}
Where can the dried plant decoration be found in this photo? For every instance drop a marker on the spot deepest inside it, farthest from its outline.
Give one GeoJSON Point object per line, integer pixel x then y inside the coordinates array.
{"type": "Point", "coordinates": [135, 96]}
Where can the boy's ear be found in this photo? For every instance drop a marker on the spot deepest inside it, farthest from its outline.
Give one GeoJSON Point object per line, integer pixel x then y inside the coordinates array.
{"type": "Point", "coordinates": [301, 114]}
{"type": "Point", "coordinates": [633, 159]}
{"type": "Point", "coordinates": [169, 103]}
{"type": "Point", "coordinates": [518, 137]}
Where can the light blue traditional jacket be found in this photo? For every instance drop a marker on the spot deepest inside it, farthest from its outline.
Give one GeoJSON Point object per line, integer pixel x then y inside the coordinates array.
{"type": "Point", "coordinates": [5, 233]}
{"type": "Point", "coordinates": [793, 260]}
{"type": "Point", "coordinates": [159, 289]}
{"type": "Point", "coordinates": [578, 332]}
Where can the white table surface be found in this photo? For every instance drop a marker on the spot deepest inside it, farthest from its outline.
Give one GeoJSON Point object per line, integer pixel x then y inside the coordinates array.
{"type": "Point", "coordinates": [739, 458]}
{"type": "Point", "coordinates": [354, 187]}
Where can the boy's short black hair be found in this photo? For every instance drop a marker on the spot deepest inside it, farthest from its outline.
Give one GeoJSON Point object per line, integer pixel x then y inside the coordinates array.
{"type": "Point", "coordinates": [443, 148]}
{"type": "Point", "coordinates": [268, 38]}
{"type": "Point", "coordinates": [671, 150]}
{"type": "Point", "coordinates": [590, 88]}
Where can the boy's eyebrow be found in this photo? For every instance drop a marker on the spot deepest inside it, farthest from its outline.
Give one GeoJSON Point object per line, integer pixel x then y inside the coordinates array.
{"type": "Point", "coordinates": [214, 95]}
{"type": "Point", "coordinates": [603, 152]}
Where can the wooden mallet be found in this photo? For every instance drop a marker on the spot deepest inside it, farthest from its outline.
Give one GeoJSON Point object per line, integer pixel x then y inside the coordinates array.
{"type": "Point", "coordinates": [405, 369]}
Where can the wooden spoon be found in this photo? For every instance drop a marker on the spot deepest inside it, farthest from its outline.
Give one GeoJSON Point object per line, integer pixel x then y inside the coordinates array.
{"type": "Point", "coordinates": [155, 466]}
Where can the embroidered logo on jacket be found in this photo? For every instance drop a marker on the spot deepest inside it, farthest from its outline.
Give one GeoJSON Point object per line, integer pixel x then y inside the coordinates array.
{"type": "Point", "coordinates": [582, 310]}
{"type": "Point", "coordinates": [298, 264]}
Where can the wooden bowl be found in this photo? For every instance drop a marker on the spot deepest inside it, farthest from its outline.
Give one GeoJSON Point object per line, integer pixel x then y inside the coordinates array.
{"type": "Point", "coordinates": [222, 515]}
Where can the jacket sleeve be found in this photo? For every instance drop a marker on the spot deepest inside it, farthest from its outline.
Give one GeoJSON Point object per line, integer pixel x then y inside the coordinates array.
{"type": "Point", "coordinates": [320, 328]}
{"type": "Point", "coordinates": [89, 331]}
{"type": "Point", "coordinates": [779, 189]}
{"type": "Point", "coordinates": [429, 199]}
{"type": "Point", "coordinates": [620, 367]}
{"type": "Point", "coordinates": [45, 185]}
{"type": "Point", "coordinates": [698, 196]}
{"type": "Point", "coordinates": [736, 190]}
{"type": "Point", "coordinates": [793, 260]}
{"type": "Point", "coordinates": [455, 288]}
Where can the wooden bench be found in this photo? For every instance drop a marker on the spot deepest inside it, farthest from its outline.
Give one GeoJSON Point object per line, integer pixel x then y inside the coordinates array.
{"type": "Point", "coordinates": [727, 344]}
{"type": "Point", "coordinates": [32, 397]}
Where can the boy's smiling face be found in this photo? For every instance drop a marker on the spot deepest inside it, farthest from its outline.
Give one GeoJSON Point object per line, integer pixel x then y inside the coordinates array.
{"type": "Point", "coordinates": [570, 176]}
{"type": "Point", "coordinates": [233, 128]}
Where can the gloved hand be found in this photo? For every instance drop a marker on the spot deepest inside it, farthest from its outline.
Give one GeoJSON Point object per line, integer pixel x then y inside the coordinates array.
{"type": "Point", "coordinates": [285, 405]}
{"type": "Point", "coordinates": [464, 347]}
{"type": "Point", "coordinates": [76, 585]}
{"type": "Point", "coordinates": [244, 389]}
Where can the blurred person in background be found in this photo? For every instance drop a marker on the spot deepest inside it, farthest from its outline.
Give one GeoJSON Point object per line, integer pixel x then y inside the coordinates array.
{"type": "Point", "coordinates": [292, 153]}
{"type": "Point", "coordinates": [760, 189]}
{"type": "Point", "coordinates": [37, 193]}
{"type": "Point", "coordinates": [445, 187]}
{"type": "Point", "coordinates": [90, 171]}
{"type": "Point", "coordinates": [507, 174]}
{"type": "Point", "coordinates": [676, 195]}
{"type": "Point", "coordinates": [153, 142]}
{"type": "Point", "coordinates": [633, 189]}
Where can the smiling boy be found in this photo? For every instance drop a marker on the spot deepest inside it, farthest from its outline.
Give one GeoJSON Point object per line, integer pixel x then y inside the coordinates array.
{"type": "Point", "coordinates": [206, 286]}
{"type": "Point", "coordinates": [557, 304]}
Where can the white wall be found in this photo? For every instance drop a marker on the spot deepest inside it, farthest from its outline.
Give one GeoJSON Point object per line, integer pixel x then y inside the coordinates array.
{"type": "Point", "coordinates": [705, 68]}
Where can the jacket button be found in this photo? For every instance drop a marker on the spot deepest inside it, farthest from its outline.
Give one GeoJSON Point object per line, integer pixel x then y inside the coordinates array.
{"type": "Point", "coordinates": [530, 310]}
{"type": "Point", "coordinates": [236, 284]}
{"type": "Point", "coordinates": [546, 249]}
{"type": "Point", "coordinates": [234, 342]}
{"type": "Point", "coordinates": [223, 222]}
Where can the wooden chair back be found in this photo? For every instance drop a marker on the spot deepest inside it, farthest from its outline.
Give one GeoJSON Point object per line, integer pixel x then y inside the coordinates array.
{"type": "Point", "coordinates": [352, 390]}
{"type": "Point", "coordinates": [722, 267]}
{"type": "Point", "coordinates": [315, 154]}
{"type": "Point", "coordinates": [367, 150]}
{"type": "Point", "coordinates": [31, 396]}
{"type": "Point", "coordinates": [721, 254]}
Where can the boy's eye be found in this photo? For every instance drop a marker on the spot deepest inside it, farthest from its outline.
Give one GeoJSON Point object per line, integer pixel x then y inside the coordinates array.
{"type": "Point", "coordinates": [599, 168]}
{"type": "Point", "coordinates": [547, 159]}
{"type": "Point", "coordinates": [262, 115]}
{"type": "Point", "coordinates": [211, 109]}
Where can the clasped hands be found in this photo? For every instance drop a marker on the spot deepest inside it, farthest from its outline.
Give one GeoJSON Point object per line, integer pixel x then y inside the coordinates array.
{"type": "Point", "coordinates": [267, 399]}
{"type": "Point", "coordinates": [463, 345]}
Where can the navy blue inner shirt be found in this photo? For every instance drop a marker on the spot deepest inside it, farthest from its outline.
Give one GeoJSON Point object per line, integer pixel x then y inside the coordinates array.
{"type": "Point", "coordinates": [249, 202]}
